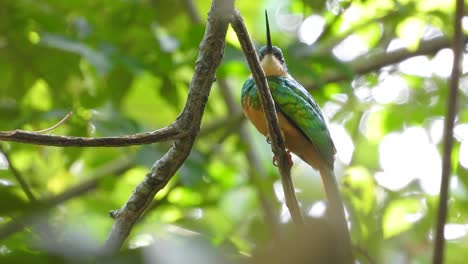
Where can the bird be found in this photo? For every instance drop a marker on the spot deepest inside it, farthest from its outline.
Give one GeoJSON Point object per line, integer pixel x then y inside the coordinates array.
{"type": "Point", "coordinates": [302, 124]}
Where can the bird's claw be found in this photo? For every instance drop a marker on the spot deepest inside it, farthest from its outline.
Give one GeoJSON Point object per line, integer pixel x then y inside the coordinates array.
{"type": "Point", "coordinates": [275, 159]}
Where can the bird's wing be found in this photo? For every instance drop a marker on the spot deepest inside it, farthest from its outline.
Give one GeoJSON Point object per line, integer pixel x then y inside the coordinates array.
{"type": "Point", "coordinates": [298, 106]}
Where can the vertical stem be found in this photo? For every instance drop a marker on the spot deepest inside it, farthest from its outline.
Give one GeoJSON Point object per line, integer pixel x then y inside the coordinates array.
{"type": "Point", "coordinates": [438, 256]}
{"type": "Point", "coordinates": [22, 182]}
{"type": "Point", "coordinates": [274, 131]}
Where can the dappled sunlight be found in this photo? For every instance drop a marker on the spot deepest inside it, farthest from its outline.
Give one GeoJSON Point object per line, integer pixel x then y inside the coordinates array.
{"type": "Point", "coordinates": [465, 23]}
{"type": "Point", "coordinates": [311, 29]}
{"type": "Point", "coordinates": [278, 188]}
{"type": "Point", "coordinates": [3, 162]}
{"type": "Point", "coordinates": [317, 209]}
{"type": "Point", "coordinates": [436, 130]}
{"type": "Point", "coordinates": [463, 156]}
{"type": "Point", "coordinates": [141, 240]}
{"type": "Point", "coordinates": [461, 133]}
{"type": "Point", "coordinates": [409, 156]}
{"type": "Point", "coordinates": [343, 143]}
{"type": "Point", "coordinates": [287, 21]}
{"type": "Point", "coordinates": [285, 216]}
{"type": "Point", "coordinates": [396, 44]}
{"type": "Point", "coordinates": [418, 66]}
{"type": "Point", "coordinates": [363, 93]}
{"type": "Point", "coordinates": [442, 62]}
{"type": "Point", "coordinates": [350, 48]}
{"type": "Point", "coordinates": [455, 231]}
{"type": "Point", "coordinates": [391, 89]}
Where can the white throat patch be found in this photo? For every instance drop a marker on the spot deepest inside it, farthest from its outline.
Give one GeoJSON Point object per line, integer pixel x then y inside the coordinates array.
{"type": "Point", "coordinates": [272, 66]}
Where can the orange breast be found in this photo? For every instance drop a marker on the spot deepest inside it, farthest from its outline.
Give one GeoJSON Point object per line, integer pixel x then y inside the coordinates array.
{"type": "Point", "coordinates": [295, 140]}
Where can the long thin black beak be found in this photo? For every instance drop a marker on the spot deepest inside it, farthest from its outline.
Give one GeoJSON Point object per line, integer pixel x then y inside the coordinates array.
{"type": "Point", "coordinates": [269, 46]}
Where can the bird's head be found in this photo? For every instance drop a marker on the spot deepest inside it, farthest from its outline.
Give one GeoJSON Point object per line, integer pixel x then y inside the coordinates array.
{"type": "Point", "coordinates": [271, 57]}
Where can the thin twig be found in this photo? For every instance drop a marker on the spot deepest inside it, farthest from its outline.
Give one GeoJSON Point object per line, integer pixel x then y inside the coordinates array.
{"type": "Point", "coordinates": [452, 103]}
{"type": "Point", "coordinates": [274, 130]}
{"type": "Point", "coordinates": [19, 177]}
{"type": "Point", "coordinates": [209, 59]}
{"type": "Point", "coordinates": [64, 119]}
{"type": "Point", "coordinates": [192, 11]}
{"type": "Point", "coordinates": [164, 134]}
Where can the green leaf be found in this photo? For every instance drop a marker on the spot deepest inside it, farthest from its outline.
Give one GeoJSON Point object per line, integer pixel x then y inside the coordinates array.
{"type": "Point", "coordinates": [361, 188]}
{"type": "Point", "coordinates": [185, 197]}
{"type": "Point", "coordinates": [38, 97]}
{"type": "Point", "coordinates": [400, 214]}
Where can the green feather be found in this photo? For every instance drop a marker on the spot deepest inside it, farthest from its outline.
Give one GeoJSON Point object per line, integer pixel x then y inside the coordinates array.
{"type": "Point", "coordinates": [298, 106]}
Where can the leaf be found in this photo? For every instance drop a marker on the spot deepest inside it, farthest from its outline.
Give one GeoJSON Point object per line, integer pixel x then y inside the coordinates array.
{"type": "Point", "coordinates": [361, 188]}
{"type": "Point", "coordinates": [184, 196]}
{"type": "Point", "coordinates": [400, 215]}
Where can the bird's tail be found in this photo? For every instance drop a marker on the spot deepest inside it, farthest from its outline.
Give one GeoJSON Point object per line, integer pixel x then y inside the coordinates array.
{"type": "Point", "coordinates": [336, 214]}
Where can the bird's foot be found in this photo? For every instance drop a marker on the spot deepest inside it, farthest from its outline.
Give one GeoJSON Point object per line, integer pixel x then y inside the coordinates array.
{"type": "Point", "coordinates": [275, 159]}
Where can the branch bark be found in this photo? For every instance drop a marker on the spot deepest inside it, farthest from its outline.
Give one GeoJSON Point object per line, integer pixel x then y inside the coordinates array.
{"type": "Point", "coordinates": [458, 45]}
{"type": "Point", "coordinates": [209, 58]}
{"type": "Point", "coordinates": [369, 63]}
{"type": "Point", "coordinates": [276, 137]}
{"type": "Point", "coordinates": [173, 131]}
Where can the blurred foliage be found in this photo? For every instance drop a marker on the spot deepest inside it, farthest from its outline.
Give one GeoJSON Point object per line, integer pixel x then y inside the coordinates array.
{"type": "Point", "coordinates": [124, 67]}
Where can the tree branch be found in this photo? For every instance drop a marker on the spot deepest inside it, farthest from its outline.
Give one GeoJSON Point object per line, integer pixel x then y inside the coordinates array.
{"type": "Point", "coordinates": [276, 137]}
{"type": "Point", "coordinates": [458, 49]}
{"type": "Point", "coordinates": [366, 64]}
{"type": "Point", "coordinates": [209, 58]}
{"type": "Point", "coordinates": [170, 132]}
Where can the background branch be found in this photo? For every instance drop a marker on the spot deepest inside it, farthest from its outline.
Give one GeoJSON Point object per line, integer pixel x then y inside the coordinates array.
{"type": "Point", "coordinates": [256, 171]}
{"type": "Point", "coordinates": [192, 11]}
{"type": "Point", "coordinates": [363, 65]}
{"type": "Point", "coordinates": [274, 131]}
{"type": "Point", "coordinates": [232, 120]}
{"type": "Point", "coordinates": [116, 167]}
{"type": "Point", "coordinates": [458, 44]}
{"type": "Point", "coordinates": [209, 58]}
{"type": "Point", "coordinates": [21, 180]}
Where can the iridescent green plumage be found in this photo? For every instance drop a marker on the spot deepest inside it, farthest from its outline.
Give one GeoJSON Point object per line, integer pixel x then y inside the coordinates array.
{"type": "Point", "coordinates": [298, 106]}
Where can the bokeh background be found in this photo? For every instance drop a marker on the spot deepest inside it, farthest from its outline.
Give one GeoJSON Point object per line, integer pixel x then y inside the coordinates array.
{"type": "Point", "coordinates": [124, 66]}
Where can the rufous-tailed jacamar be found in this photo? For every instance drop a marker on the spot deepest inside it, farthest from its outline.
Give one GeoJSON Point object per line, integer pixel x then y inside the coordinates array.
{"type": "Point", "coordinates": [302, 124]}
